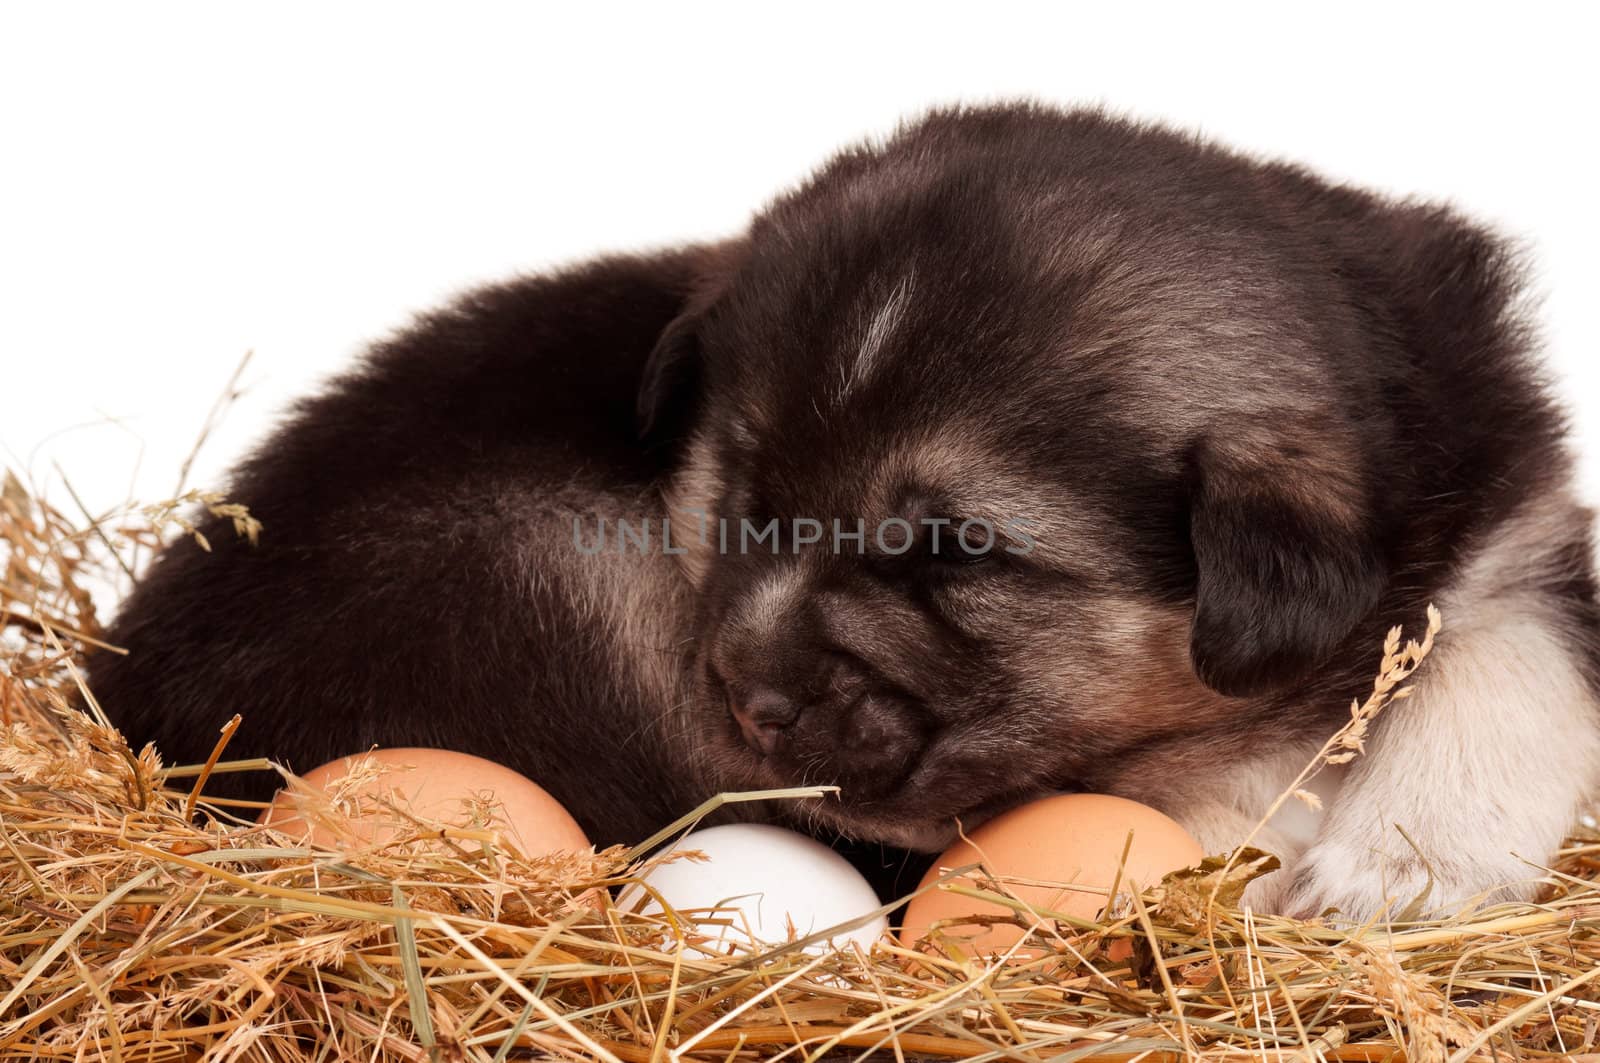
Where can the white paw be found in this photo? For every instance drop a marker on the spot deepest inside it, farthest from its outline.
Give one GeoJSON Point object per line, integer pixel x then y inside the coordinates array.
{"type": "Point", "coordinates": [1359, 883]}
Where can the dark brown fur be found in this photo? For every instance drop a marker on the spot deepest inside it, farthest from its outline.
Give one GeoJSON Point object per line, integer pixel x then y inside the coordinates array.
{"type": "Point", "coordinates": [1256, 419]}
{"type": "Point", "coordinates": [416, 583]}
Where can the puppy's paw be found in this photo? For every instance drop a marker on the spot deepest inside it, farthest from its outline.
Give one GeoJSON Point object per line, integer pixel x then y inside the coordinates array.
{"type": "Point", "coordinates": [1358, 883]}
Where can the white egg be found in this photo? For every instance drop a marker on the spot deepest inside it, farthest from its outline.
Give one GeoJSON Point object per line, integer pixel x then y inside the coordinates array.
{"type": "Point", "coordinates": [765, 878]}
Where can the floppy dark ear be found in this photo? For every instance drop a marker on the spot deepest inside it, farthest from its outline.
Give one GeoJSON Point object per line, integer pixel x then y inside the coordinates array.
{"type": "Point", "coordinates": [1289, 556]}
{"type": "Point", "coordinates": [669, 388]}
{"type": "Point", "coordinates": [670, 384]}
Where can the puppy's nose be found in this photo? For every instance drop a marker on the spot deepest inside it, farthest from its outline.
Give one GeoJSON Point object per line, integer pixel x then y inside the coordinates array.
{"type": "Point", "coordinates": [762, 715]}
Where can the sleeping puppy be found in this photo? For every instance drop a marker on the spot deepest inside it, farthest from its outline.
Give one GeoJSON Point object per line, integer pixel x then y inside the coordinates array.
{"type": "Point", "coordinates": [1027, 451]}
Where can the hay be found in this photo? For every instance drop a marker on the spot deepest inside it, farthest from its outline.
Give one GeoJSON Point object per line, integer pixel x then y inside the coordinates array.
{"type": "Point", "coordinates": [131, 930]}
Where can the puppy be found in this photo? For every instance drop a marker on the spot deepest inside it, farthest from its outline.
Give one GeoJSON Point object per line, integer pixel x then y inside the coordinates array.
{"type": "Point", "coordinates": [1026, 451]}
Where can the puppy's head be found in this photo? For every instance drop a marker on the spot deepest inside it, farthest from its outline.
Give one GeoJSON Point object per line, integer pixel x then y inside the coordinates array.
{"type": "Point", "coordinates": [995, 466]}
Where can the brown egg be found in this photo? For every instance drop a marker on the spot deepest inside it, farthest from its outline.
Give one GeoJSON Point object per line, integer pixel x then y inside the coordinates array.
{"type": "Point", "coordinates": [1075, 839]}
{"type": "Point", "coordinates": [436, 787]}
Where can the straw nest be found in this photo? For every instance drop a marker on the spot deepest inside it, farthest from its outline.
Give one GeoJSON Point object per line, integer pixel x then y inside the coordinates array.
{"type": "Point", "coordinates": [138, 921]}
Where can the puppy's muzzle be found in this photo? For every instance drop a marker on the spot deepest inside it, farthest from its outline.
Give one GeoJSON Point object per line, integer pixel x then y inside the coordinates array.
{"type": "Point", "coordinates": [763, 716]}
{"type": "Point", "coordinates": [842, 727]}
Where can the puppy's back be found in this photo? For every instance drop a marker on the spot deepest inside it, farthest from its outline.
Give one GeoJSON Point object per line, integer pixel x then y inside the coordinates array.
{"type": "Point", "coordinates": [416, 581]}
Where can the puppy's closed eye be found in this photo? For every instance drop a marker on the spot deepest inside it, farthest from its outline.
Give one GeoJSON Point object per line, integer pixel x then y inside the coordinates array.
{"type": "Point", "coordinates": [933, 545]}
{"type": "Point", "coordinates": [967, 542]}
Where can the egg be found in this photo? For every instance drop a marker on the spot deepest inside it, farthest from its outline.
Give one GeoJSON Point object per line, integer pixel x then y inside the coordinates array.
{"type": "Point", "coordinates": [435, 789]}
{"type": "Point", "coordinates": [1071, 839]}
{"type": "Point", "coordinates": [765, 879]}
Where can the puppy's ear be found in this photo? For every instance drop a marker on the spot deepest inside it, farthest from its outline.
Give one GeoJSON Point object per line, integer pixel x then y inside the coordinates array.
{"type": "Point", "coordinates": [1288, 549]}
{"type": "Point", "coordinates": [669, 388]}
{"type": "Point", "coordinates": [673, 375]}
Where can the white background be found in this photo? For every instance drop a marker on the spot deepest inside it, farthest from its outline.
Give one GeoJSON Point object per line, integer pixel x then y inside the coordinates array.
{"type": "Point", "coordinates": [183, 183]}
